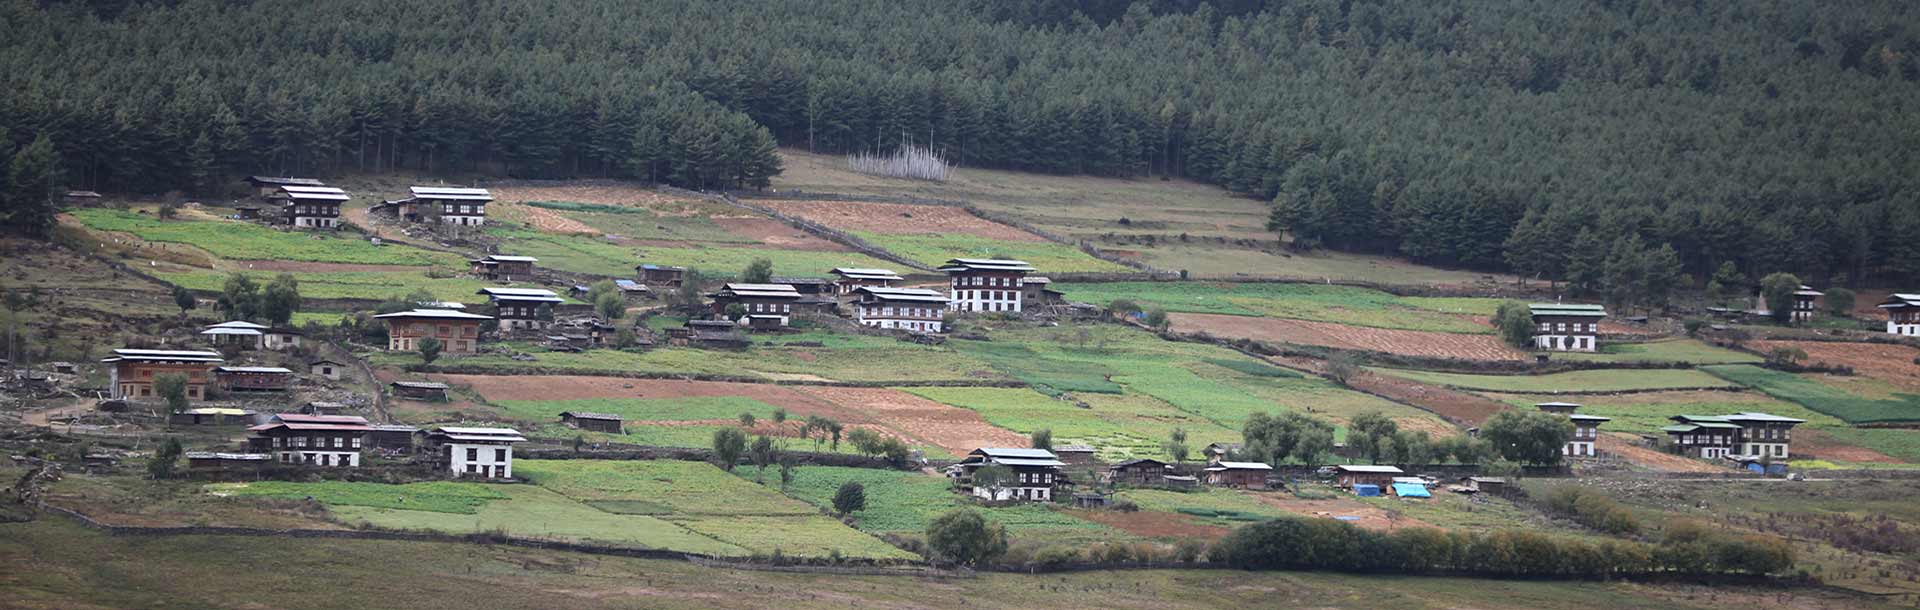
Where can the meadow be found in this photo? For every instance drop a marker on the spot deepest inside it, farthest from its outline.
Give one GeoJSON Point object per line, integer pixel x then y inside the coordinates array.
{"type": "Point", "coordinates": [1821, 397]}
{"type": "Point", "coordinates": [1217, 506]}
{"type": "Point", "coordinates": [933, 249]}
{"type": "Point", "coordinates": [635, 410]}
{"type": "Point", "coordinates": [1605, 380]}
{"type": "Point", "coordinates": [536, 512]}
{"type": "Point", "coordinates": [843, 358]}
{"type": "Point", "coordinates": [438, 497]}
{"type": "Point", "coordinates": [1117, 426]}
{"type": "Point", "coordinates": [658, 487]}
{"type": "Point", "coordinates": [362, 285]}
{"type": "Point", "coordinates": [1647, 412]}
{"type": "Point", "coordinates": [684, 221]}
{"type": "Point", "coordinates": [596, 255]}
{"type": "Point", "coordinates": [1664, 351]}
{"type": "Point", "coordinates": [235, 240]}
{"type": "Point", "coordinates": [1315, 302]}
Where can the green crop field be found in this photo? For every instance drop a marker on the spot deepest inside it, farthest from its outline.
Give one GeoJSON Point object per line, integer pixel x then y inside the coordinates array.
{"type": "Point", "coordinates": [808, 536]}
{"type": "Point", "coordinates": [1118, 426]}
{"type": "Point", "coordinates": [1049, 375]}
{"type": "Point", "coordinates": [1821, 397]}
{"type": "Point", "coordinates": [1669, 350]}
{"type": "Point", "coordinates": [931, 250]}
{"type": "Point", "coordinates": [599, 256]}
{"type": "Point", "coordinates": [1316, 302]}
{"type": "Point", "coordinates": [643, 409]}
{"type": "Point", "coordinates": [368, 285]}
{"type": "Point", "coordinates": [1609, 380]}
{"type": "Point", "coordinates": [248, 241]}
{"type": "Point", "coordinates": [1217, 506]}
{"type": "Point", "coordinates": [658, 487]}
{"type": "Point", "coordinates": [906, 501]}
{"type": "Point", "coordinates": [439, 497]}
{"type": "Point", "coordinates": [1645, 413]}
{"type": "Point", "coordinates": [843, 357]}
{"type": "Point", "coordinates": [536, 512]}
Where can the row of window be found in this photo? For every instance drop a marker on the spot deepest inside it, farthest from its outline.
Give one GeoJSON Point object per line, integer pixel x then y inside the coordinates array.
{"type": "Point", "coordinates": [1561, 327]}
{"type": "Point", "coordinates": [1772, 450]}
{"type": "Point", "coordinates": [317, 442]}
{"type": "Point", "coordinates": [769, 308]}
{"type": "Point", "coordinates": [925, 327]}
{"type": "Point", "coordinates": [407, 344]}
{"type": "Point", "coordinates": [446, 331]}
{"type": "Point", "coordinates": [462, 208]}
{"type": "Point", "coordinates": [974, 280]}
{"type": "Point", "coordinates": [468, 221]}
{"type": "Point", "coordinates": [315, 209]}
{"type": "Point", "coordinates": [518, 311]}
{"type": "Point", "coordinates": [911, 312]}
{"type": "Point", "coordinates": [322, 459]}
{"type": "Point", "coordinates": [473, 455]}
{"type": "Point", "coordinates": [986, 306]}
{"type": "Point", "coordinates": [1036, 478]}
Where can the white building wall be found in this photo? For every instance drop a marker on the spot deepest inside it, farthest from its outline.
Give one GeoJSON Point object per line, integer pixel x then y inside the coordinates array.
{"type": "Point", "coordinates": [1910, 330]}
{"type": "Point", "coordinates": [464, 221]}
{"type": "Point", "coordinates": [1564, 343]}
{"type": "Point", "coordinates": [483, 462]}
{"type": "Point", "coordinates": [319, 457]}
{"type": "Point", "coordinates": [1776, 450]}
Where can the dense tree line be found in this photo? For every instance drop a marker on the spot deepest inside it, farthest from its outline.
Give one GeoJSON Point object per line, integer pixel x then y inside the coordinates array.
{"type": "Point", "coordinates": [1771, 134]}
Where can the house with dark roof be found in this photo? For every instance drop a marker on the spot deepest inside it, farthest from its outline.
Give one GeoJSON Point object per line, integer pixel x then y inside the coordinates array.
{"type": "Point", "coordinates": [914, 309]}
{"type": "Point", "coordinates": [518, 308]}
{"type": "Point", "coordinates": [332, 441]}
{"type": "Point", "coordinates": [1239, 475]}
{"type": "Point", "coordinates": [848, 279]}
{"type": "Point", "coordinates": [774, 300]}
{"type": "Point", "coordinates": [1903, 314]}
{"type": "Point", "coordinates": [1138, 471]}
{"type": "Point", "coordinates": [985, 284]}
{"type": "Point", "coordinates": [1037, 291]}
{"type": "Point", "coordinates": [1748, 434]}
{"type": "Point", "coordinates": [714, 334]}
{"type": "Point", "coordinates": [502, 267]}
{"type": "Point", "coordinates": [1566, 328]}
{"type": "Point", "coordinates": [134, 370]}
{"type": "Point", "coordinates": [457, 331]}
{"type": "Point", "coordinates": [1586, 428]}
{"type": "Point", "coordinates": [419, 390]}
{"type": "Point", "coordinates": [1034, 473]}
{"type": "Point", "coordinates": [269, 186]}
{"type": "Point", "coordinates": [597, 422]}
{"type": "Point", "coordinates": [659, 275]}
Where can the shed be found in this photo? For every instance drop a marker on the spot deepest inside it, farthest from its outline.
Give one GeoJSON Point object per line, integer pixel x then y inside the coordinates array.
{"type": "Point", "coordinates": [1492, 485]}
{"type": "Point", "coordinates": [206, 460]}
{"type": "Point", "coordinates": [393, 437]}
{"type": "Point", "coordinates": [1088, 499]}
{"type": "Point", "coordinates": [211, 416]}
{"type": "Point", "coordinates": [419, 390]}
{"type": "Point", "coordinates": [1248, 475]}
{"type": "Point", "coordinates": [1179, 481]}
{"type": "Point", "coordinates": [326, 368]}
{"type": "Point", "coordinates": [597, 422]}
{"type": "Point", "coordinates": [323, 408]}
{"type": "Point", "coordinates": [254, 378]}
{"type": "Point", "coordinates": [1377, 476]}
{"type": "Point", "coordinates": [1075, 454]}
{"type": "Point", "coordinates": [1138, 471]}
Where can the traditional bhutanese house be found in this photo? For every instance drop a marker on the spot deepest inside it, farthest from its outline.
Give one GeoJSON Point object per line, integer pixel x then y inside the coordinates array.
{"type": "Point", "coordinates": [709, 334]}
{"type": "Point", "coordinates": [1586, 428]}
{"type": "Point", "coordinates": [392, 438]}
{"type": "Point", "coordinates": [457, 331]}
{"type": "Point", "coordinates": [134, 371]}
{"type": "Point", "coordinates": [1139, 471]}
{"type": "Point", "coordinates": [319, 440]}
{"type": "Point", "coordinates": [212, 416]}
{"type": "Point", "coordinates": [914, 309]}
{"type": "Point", "coordinates": [311, 207]}
{"type": "Point", "coordinates": [209, 461]}
{"type": "Point", "coordinates": [1035, 473]}
{"type": "Point", "coordinates": [1745, 434]}
{"type": "Point", "coordinates": [597, 422]}
{"type": "Point", "coordinates": [1903, 314]}
{"type": "Point", "coordinates": [1566, 328]}
{"type": "Point", "coordinates": [1243, 475]}
{"type": "Point", "coordinates": [419, 390]}
{"type": "Point", "coordinates": [520, 308]}
{"type": "Point", "coordinates": [246, 335]}
{"type": "Point", "coordinates": [982, 284]}
{"type": "Point", "coordinates": [1037, 290]}
{"type": "Point", "coordinates": [848, 279]}
{"type": "Point", "coordinates": [816, 294]}
{"type": "Point", "coordinates": [659, 275]}
{"type": "Point", "coordinates": [465, 207]}
{"type": "Point", "coordinates": [269, 186]}
{"type": "Point", "coordinates": [631, 290]}
{"type": "Point", "coordinates": [1359, 474]}
{"type": "Point", "coordinates": [1074, 454]}
{"type": "Point", "coordinates": [769, 299]}
{"type": "Point", "coordinates": [320, 407]}
{"type": "Point", "coordinates": [503, 267]}
{"type": "Point", "coordinates": [1806, 303]}
{"type": "Point", "coordinates": [254, 378]}
{"type": "Point", "coordinates": [1215, 452]}
{"type": "Point", "coordinates": [474, 452]}
{"type": "Point", "coordinates": [326, 368]}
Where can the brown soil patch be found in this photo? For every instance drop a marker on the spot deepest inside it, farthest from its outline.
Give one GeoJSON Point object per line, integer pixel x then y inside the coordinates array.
{"type": "Point", "coordinates": [543, 220]}
{"type": "Point", "coordinates": [1883, 361]}
{"type": "Point", "coordinates": [954, 429]}
{"type": "Point", "coordinates": [1816, 443]}
{"type": "Point", "coordinates": [1151, 524]}
{"type": "Point", "coordinates": [1370, 517]}
{"type": "Point", "coordinates": [899, 218]}
{"type": "Point", "coordinates": [632, 196]}
{"type": "Point", "coordinates": [311, 267]}
{"type": "Point", "coordinates": [576, 387]}
{"type": "Point", "coordinates": [1459, 408]}
{"type": "Point", "coordinates": [777, 234]}
{"type": "Point", "coordinates": [1338, 336]}
{"type": "Point", "coordinates": [1623, 445]}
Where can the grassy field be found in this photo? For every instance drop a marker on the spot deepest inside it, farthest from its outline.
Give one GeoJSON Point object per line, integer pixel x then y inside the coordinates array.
{"type": "Point", "coordinates": [658, 487]}
{"type": "Point", "coordinates": [1821, 397]}
{"type": "Point", "coordinates": [1217, 506]}
{"type": "Point", "coordinates": [844, 357]}
{"type": "Point", "coordinates": [1317, 302]}
{"type": "Point", "coordinates": [1118, 426]}
{"type": "Point", "coordinates": [237, 240]}
{"type": "Point", "coordinates": [369, 285]}
{"type": "Point", "coordinates": [683, 220]}
{"type": "Point", "coordinates": [1570, 382]}
{"type": "Point", "coordinates": [536, 512]}
{"type": "Point", "coordinates": [54, 564]}
{"type": "Point", "coordinates": [599, 256]}
{"type": "Point", "coordinates": [932, 250]}
{"type": "Point", "coordinates": [438, 497]}
{"type": "Point", "coordinates": [643, 409]}
{"type": "Point", "coordinates": [1670, 350]}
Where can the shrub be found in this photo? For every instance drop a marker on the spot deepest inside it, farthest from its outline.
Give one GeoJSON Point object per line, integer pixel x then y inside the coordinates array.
{"type": "Point", "coordinates": [1056, 556]}
{"type": "Point", "coordinates": [1840, 302]}
{"type": "Point", "coordinates": [1592, 509]}
{"type": "Point", "coordinates": [962, 536]}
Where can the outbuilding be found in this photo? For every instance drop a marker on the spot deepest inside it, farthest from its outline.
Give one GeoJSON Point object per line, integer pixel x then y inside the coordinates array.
{"type": "Point", "coordinates": [254, 378]}
{"type": "Point", "coordinates": [596, 422]}
{"type": "Point", "coordinates": [659, 275]}
{"type": "Point", "coordinates": [1138, 471]}
{"type": "Point", "coordinates": [420, 390]}
{"type": "Point", "coordinates": [1242, 475]}
{"type": "Point", "coordinates": [1357, 474]}
{"type": "Point", "coordinates": [326, 368]}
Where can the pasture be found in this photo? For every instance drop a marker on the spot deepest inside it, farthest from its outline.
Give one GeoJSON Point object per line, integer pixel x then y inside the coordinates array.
{"type": "Point", "coordinates": [359, 285]}
{"type": "Point", "coordinates": [842, 358]}
{"type": "Point", "coordinates": [932, 250]}
{"type": "Point", "coordinates": [1572, 382]}
{"type": "Point", "coordinates": [1899, 407]}
{"type": "Point", "coordinates": [600, 255]}
{"type": "Point", "coordinates": [438, 497]}
{"type": "Point", "coordinates": [1647, 412]}
{"type": "Point", "coordinates": [236, 240]}
{"type": "Point", "coordinates": [1663, 351]}
{"type": "Point", "coordinates": [1347, 305]}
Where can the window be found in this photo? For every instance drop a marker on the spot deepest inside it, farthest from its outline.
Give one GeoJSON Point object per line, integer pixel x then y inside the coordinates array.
{"type": "Point", "coordinates": [356, 442]}
{"type": "Point", "coordinates": [473, 454]}
{"type": "Point", "coordinates": [339, 442]}
{"type": "Point", "coordinates": [472, 468]}
{"type": "Point", "coordinates": [500, 455]}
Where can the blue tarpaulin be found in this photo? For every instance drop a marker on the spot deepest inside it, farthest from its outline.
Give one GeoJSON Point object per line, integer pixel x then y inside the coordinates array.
{"type": "Point", "coordinates": [1366, 490]}
{"type": "Point", "coordinates": [1411, 490]}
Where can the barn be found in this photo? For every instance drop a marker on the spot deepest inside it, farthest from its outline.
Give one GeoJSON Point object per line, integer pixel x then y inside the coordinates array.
{"type": "Point", "coordinates": [595, 422]}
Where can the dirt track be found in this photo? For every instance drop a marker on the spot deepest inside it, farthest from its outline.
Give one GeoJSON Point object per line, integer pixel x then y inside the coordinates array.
{"type": "Point", "coordinates": [899, 218]}
{"type": "Point", "coordinates": [1327, 334]}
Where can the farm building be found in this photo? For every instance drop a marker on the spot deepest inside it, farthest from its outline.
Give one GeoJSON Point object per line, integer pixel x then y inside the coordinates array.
{"type": "Point", "coordinates": [326, 368]}
{"type": "Point", "coordinates": [419, 390]}
{"type": "Point", "coordinates": [770, 299]}
{"type": "Point", "coordinates": [392, 437]}
{"type": "Point", "coordinates": [480, 452]}
{"type": "Point", "coordinates": [1806, 303]}
{"type": "Point", "coordinates": [80, 198]}
{"type": "Point", "coordinates": [206, 461]}
{"type": "Point", "coordinates": [1035, 472]}
{"type": "Point", "coordinates": [1074, 454]}
{"type": "Point", "coordinates": [1139, 471]}
{"type": "Point", "coordinates": [1586, 428]}
{"type": "Point", "coordinates": [212, 416]}
{"type": "Point", "coordinates": [914, 309]}
{"type": "Point", "coordinates": [848, 279]}
{"type": "Point", "coordinates": [659, 275]}
{"type": "Point", "coordinates": [597, 422]}
{"type": "Point", "coordinates": [502, 267]}
{"type": "Point", "coordinates": [1903, 314]}
{"type": "Point", "coordinates": [320, 407]}
{"type": "Point", "coordinates": [1038, 291]}
{"type": "Point", "coordinates": [321, 440]}
{"type": "Point", "coordinates": [269, 186]}
{"type": "Point", "coordinates": [465, 207]}
{"type": "Point", "coordinates": [134, 371]}
{"type": "Point", "coordinates": [1737, 435]}
{"type": "Point", "coordinates": [816, 294]}
{"type": "Point", "coordinates": [984, 284]}
{"type": "Point", "coordinates": [253, 378]}
{"type": "Point", "coordinates": [709, 334]}
{"type": "Point", "coordinates": [246, 335]}
{"type": "Point", "coordinates": [457, 331]}
{"type": "Point", "coordinates": [246, 212]}
{"type": "Point", "coordinates": [763, 321]}
{"type": "Point", "coordinates": [1489, 485]}
{"type": "Point", "coordinates": [1357, 474]}
{"type": "Point", "coordinates": [1566, 328]}
{"type": "Point", "coordinates": [311, 207]}
{"type": "Point", "coordinates": [519, 308]}
{"type": "Point", "coordinates": [631, 290]}
{"type": "Point", "coordinates": [1242, 475]}
{"type": "Point", "coordinates": [1216, 452]}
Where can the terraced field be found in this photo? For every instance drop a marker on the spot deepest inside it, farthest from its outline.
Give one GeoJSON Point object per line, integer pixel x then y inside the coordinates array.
{"type": "Point", "coordinates": [237, 240]}
{"type": "Point", "coordinates": [1575, 382]}
{"type": "Point", "coordinates": [1805, 390]}
{"type": "Point", "coordinates": [1314, 302]}
{"type": "Point", "coordinates": [1339, 336]}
